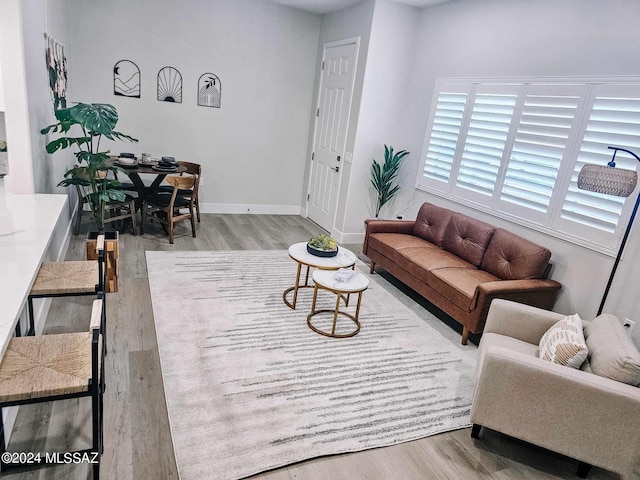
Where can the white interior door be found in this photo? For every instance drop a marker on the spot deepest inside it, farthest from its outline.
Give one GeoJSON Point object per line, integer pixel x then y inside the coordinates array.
{"type": "Point", "coordinates": [332, 122]}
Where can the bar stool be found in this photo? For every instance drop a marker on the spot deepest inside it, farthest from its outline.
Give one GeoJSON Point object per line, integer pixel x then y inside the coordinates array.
{"type": "Point", "coordinates": [47, 368]}
{"type": "Point", "coordinates": [67, 279]}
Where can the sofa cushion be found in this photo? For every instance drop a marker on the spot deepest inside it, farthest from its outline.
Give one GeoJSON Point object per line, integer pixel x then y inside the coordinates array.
{"type": "Point", "coordinates": [431, 223]}
{"type": "Point", "coordinates": [389, 244]}
{"type": "Point", "coordinates": [511, 257]}
{"type": "Point", "coordinates": [421, 261]}
{"type": "Point", "coordinates": [612, 354]}
{"type": "Point", "coordinates": [458, 285]}
{"type": "Point", "coordinates": [467, 238]}
{"type": "Point", "coordinates": [564, 343]}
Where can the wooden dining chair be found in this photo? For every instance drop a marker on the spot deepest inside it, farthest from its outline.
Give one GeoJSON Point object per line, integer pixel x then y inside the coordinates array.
{"type": "Point", "coordinates": [170, 206]}
{"type": "Point", "coordinates": [195, 170]}
{"type": "Point", "coordinates": [48, 368]}
{"type": "Point", "coordinates": [115, 211]}
{"type": "Point", "coordinates": [67, 279]}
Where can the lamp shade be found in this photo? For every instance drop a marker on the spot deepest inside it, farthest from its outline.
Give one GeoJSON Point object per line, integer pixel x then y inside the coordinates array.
{"type": "Point", "coordinates": [607, 180]}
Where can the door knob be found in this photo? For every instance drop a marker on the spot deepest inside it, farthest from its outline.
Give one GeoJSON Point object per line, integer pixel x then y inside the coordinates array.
{"type": "Point", "coordinates": [336, 169]}
{"type": "Point", "coordinates": [338, 159]}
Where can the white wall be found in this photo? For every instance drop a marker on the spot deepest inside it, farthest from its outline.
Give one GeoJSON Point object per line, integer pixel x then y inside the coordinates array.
{"type": "Point", "coordinates": [503, 38]}
{"type": "Point", "coordinates": [1, 82]}
{"type": "Point", "coordinates": [252, 149]}
{"type": "Point", "coordinates": [389, 59]}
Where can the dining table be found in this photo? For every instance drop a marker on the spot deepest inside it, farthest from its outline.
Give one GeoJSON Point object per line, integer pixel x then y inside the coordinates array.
{"type": "Point", "coordinates": [135, 171]}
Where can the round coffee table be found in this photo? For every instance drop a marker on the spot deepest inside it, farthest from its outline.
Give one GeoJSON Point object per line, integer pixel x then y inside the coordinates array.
{"type": "Point", "coordinates": [325, 280]}
{"type": "Point", "coordinates": [298, 252]}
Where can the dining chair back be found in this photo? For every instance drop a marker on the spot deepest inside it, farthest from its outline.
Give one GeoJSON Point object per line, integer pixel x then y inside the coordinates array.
{"type": "Point", "coordinates": [114, 211]}
{"type": "Point", "coordinates": [195, 170]}
{"type": "Point", "coordinates": [170, 206]}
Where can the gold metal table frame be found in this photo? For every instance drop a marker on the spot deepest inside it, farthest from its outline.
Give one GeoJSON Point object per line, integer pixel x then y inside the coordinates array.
{"type": "Point", "coordinates": [340, 292]}
{"type": "Point", "coordinates": [320, 263]}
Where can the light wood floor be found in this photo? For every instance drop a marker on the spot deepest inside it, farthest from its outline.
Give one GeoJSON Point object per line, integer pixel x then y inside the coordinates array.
{"type": "Point", "coordinates": [137, 438]}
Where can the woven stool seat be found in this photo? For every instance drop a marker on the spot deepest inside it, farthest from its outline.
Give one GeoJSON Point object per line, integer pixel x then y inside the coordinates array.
{"type": "Point", "coordinates": [48, 368]}
{"type": "Point", "coordinates": [47, 365]}
{"type": "Point", "coordinates": [66, 277]}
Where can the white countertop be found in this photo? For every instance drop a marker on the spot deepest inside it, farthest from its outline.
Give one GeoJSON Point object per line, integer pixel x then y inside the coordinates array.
{"type": "Point", "coordinates": [27, 223]}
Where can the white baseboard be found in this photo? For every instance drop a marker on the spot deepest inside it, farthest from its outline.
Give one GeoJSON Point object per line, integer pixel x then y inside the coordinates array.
{"type": "Point", "coordinates": [250, 209]}
{"type": "Point", "coordinates": [349, 237]}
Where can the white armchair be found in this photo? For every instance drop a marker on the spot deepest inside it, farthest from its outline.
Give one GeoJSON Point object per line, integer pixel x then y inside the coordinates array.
{"type": "Point", "coordinates": [590, 418]}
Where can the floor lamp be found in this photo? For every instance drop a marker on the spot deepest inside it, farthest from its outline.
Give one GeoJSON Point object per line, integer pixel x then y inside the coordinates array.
{"type": "Point", "coordinates": [611, 181]}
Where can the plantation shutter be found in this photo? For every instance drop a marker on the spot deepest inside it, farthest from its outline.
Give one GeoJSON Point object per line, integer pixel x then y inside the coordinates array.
{"type": "Point", "coordinates": [614, 121]}
{"type": "Point", "coordinates": [486, 138]}
{"type": "Point", "coordinates": [445, 131]}
{"type": "Point", "coordinates": [547, 121]}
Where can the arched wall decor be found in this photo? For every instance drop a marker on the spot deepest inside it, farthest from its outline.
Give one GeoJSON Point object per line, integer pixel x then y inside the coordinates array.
{"type": "Point", "coordinates": [169, 85]}
{"type": "Point", "coordinates": [126, 79]}
{"type": "Point", "coordinates": [209, 90]}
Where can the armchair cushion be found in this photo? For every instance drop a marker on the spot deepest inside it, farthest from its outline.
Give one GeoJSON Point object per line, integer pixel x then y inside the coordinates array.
{"type": "Point", "coordinates": [612, 354]}
{"type": "Point", "coordinates": [564, 343]}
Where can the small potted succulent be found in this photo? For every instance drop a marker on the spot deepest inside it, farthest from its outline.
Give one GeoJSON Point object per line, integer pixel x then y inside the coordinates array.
{"type": "Point", "coordinates": [322, 246]}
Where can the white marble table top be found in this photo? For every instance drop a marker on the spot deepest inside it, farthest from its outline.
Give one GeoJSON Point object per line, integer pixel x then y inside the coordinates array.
{"type": "Point", "coordinates": [327, 278]}
{"type": "Point", "coordinates": [27, 223]}
{"type": "Point", "coordinates": [344, 258]}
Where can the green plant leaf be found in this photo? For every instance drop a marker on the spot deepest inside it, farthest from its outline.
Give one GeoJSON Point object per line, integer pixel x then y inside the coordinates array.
{"type": "Point", "coordinates": [100, 118]}
{"type": "Point", "coordinates": [66, 142]}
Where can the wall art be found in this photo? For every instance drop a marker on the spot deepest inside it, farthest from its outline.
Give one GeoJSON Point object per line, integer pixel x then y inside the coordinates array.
{"type": "Point", "coordinates": [169, 85]}
{"type": "Point", "coordinates": [126, 79]}
{"type": "Point", "coordinates": [57, 66]}
{"type": "Point", "coordinates": [209, 90]}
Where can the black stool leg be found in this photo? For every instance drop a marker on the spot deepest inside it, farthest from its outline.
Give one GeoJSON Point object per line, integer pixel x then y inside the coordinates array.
{"type": "Point", "coordinates": [475, 430]}
{"type": "Point", "coordinates": [18, 329]}
{"type": "Point", "coordinates": [3, 448]}
{"type": "Point", "coordinates": [32, 324]}
{"type": "Point", "coordinates": [583, 469]}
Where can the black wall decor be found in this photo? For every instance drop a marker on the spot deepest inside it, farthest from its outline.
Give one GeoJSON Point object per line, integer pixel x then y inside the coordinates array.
{"type": "Point", "coordinates": [169, 85]}
{"type": "Point", "coordinates": [209, 90]}
{"type": "Point", "coordinates": [126, 79]}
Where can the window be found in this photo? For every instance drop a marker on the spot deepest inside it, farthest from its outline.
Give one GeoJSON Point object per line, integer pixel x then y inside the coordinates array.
{"type": "Point", "coordinates": [515, 150]}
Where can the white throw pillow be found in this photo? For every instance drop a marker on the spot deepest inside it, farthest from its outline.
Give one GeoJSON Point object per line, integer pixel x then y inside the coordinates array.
{"type": "Point", "coordinates": [564, 343]}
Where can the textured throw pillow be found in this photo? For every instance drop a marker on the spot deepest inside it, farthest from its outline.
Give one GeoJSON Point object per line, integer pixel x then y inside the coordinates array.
{"type": "Point", "coordinates": [564, 343]}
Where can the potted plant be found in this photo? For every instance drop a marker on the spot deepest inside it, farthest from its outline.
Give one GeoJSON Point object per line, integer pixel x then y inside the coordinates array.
{"type": "Point", "coordinates": [91, 172]}
{"type": "Point", "coordinates": [384, 175]}
{"type": "Point", "coordinates": [322, 246]}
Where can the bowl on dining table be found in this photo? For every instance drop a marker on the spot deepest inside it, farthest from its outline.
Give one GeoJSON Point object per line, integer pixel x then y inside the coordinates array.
{"type": "Point", "coordinates": [126, 161]}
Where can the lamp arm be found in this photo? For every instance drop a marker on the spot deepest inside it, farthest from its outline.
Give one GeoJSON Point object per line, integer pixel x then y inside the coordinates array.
{"type": "Point", "coordinates": [612, 163]}
{"type": "Point", "coordinates": [626, 233]}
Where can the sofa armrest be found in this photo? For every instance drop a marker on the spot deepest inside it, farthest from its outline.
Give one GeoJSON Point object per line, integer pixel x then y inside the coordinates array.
{"type": "Point", "coordinates": [520, 321]}
{"type": "Point", "coordinates": [385, 226]}
{"type": "Point", "coordinates": [579, 414]}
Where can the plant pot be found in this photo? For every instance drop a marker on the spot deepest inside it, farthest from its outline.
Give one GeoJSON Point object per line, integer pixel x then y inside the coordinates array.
{"type": "Point", "coordinates": [321, 253]}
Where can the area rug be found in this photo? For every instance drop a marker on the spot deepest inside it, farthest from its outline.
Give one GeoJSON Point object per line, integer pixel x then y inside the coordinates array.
{"type": "Point", "coordinates": [249, 387]}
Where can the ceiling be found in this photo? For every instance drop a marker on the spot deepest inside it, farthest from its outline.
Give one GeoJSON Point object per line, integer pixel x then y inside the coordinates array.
{"type": "Point", "coordinates": [326, 6]}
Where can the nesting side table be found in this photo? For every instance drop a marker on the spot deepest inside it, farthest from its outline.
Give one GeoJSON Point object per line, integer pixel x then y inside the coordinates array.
{"type": "Point", "coordinates": [298, 252]}
{"type": "Point", "coordinates": [324, 279]}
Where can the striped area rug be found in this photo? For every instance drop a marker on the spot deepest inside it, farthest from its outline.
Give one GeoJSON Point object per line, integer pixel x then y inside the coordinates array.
{"type": "Point", "coordinates": [249, 387]}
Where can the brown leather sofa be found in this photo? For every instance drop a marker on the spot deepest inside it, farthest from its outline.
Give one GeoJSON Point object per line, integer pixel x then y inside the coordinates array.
{"type": "Point", "coordinates": [460, 264]}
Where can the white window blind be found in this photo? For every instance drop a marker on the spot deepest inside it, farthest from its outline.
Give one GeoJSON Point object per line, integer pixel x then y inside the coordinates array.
{"type": "Point", "coordinates": [614, 120]}
{"type": "Point", "coordinates": [515, 150]}
{"type": "Point", "coordinates": [485, 141]}
{"type": "Point", "coordinates": [546, 122]}
{"type": "Point", "coordinates": [445, 131]}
